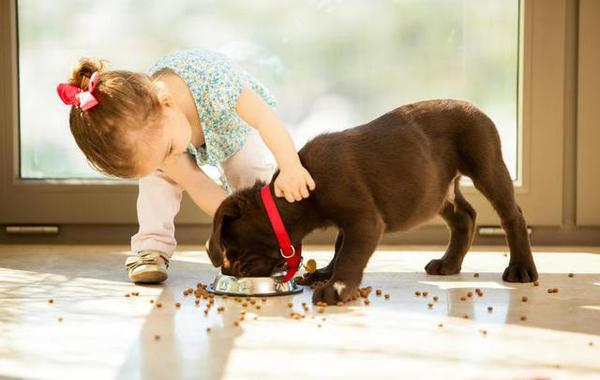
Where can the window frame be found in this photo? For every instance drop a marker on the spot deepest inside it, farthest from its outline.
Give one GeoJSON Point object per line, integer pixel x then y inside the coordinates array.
{"type": "Point", "coordinates": [542, 100]}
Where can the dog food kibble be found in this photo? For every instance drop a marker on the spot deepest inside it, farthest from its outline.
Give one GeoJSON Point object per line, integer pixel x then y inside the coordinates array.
{"type": "Point", "coordinates": [430, 305]}
{"type": "Point", "coordinates": [221, 309]}
{"type": "Point", "coordinates": [340, 303]}
{"type": "Point", "coordinates": [290, 305]}
{"type": "Point", "coordinates": [590, 343]}
{"type": "Point", "coordinates": [571, 275]}
{"type": "Point", "coordinates": [436, 298]}
{"type": "Point", "coordinates": [257, 307]}
{"type": "Point", "coordinates": [463, 298]}
{"type": "Point", "coordinates": [553, 290]}
{"type": "Point", "coordinates": [523, 318]}
{"type": "Point", "coordinates": [127, 295]}
{"type": "Point", "coordinates": [364, 292]}
{"type": "Point", "coordinates": [469, 294]}
{"type": "Point", "coordinates": [536, 283]}
{"type": "Point", "coordinates": [236, 323]}
{"type": "Point", "coordinates": [490, 309]}
{"type": "Point", "coordinates": [177, 305]}
{"type": "Point", "coordinates": [60, 319]}
{"type": "Point", "coordinates": [311, 265]}
{"type": "Point", "coordinates": [245, 304]}
{"type": "Point", "coordinates": [441, 325]}
{"type": "Point", "coordinates": [479, 292]}
{"type": "Point", "coordinates": [475, 274]}
{"type": "Point", "coordinates": [417, 293]}
{"type": "Point", "coordinates": [367, 302]}
{"type": "Point", "coordinates": [159, 304]}
{"type": "Point", "coordinates": [484, 332]}
{"type": "Point", "coordinates": [378, 292]}
{"type": "Point", "coordinates": [197, 302]}
{"type": "Point", "coordinates": [465, 316]}
{"type": "Point", "coordinates": [252, 302]}
{"type": "Point", "coordinates": [263, 299]}
{"type": "Point", "coordinates": [523, 299]}
{"type": "Point", "coordinates": [156, 337]}
{"type": "Point", "coordinates": [386, 296]}
{"type": "Point", "coordinates": [205, 311]}
{"type": "Point", "coordinates": [319, 325]}
{"type": "Point", "coordinates": [425, 294]}
{"type": "Point", "coordinates": [208, 329]}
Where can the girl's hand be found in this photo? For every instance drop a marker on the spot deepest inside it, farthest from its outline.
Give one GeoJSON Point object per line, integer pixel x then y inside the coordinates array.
{"type": "Point", "coordinates": [294, 183]}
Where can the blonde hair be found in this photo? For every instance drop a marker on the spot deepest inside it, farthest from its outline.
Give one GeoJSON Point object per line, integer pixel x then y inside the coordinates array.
{"type": "Point", "coordinates": [127, 103]}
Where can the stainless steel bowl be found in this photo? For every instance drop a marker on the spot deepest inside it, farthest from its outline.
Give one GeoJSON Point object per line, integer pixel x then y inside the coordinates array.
{"type": "Point", "coordinates": [252, 286]}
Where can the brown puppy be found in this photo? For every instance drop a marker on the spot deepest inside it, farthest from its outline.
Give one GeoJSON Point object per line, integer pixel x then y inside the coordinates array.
{"type": "Point", "coordinates": [391, 174]}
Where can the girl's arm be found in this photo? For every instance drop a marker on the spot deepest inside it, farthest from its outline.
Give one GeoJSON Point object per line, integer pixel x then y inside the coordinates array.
{"type": "Point", "coordinates": [205, 193]}
{"type": "Point", "coordinates": [293, 180]}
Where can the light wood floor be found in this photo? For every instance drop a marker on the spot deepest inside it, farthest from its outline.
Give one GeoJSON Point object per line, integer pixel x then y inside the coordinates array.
{"type": "Point", "coordinates": [92, 331]}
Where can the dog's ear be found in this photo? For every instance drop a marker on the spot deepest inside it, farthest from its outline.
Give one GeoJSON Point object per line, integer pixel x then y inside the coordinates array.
{"type": "Point", "coordinates": [229, 210]}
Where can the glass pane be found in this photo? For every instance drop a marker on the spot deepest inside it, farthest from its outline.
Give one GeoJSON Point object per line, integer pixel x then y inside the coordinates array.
{"type": "Point", "coordinates": [332, 64]}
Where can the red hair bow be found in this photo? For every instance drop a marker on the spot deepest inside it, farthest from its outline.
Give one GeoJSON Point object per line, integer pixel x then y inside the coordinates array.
{"type": "Point", "coordinates": [73, 95]}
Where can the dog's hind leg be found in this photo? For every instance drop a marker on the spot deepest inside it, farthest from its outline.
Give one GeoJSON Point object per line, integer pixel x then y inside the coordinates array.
{"type": "Point", "coordinates": [482, 161]}
{"type": "Point", "coordinates": [497, 187]}
{"type": "Point", "coordinates": [323, 274]}
{"type": "Point", "coordinates": [460, 217]}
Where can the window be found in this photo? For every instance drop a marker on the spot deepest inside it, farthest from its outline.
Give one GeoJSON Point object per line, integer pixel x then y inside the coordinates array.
{"type": "Point", "coordinates": [331, 64]}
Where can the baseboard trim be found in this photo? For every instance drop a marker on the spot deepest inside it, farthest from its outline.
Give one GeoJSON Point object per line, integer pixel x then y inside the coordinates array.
{"type": "Point", "coordinates": [199, 233]}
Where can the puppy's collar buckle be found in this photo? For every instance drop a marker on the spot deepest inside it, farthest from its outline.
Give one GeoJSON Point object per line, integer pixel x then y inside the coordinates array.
{"type": "Point", "coordinates": [290, 255]}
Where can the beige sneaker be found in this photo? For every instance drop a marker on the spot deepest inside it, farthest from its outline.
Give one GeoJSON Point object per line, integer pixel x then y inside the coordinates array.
{"type": "Point", "coordinates": [148, 266]}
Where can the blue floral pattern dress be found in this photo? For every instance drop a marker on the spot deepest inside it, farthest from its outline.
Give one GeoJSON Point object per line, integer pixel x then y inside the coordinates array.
{"type": "Point", "coordinates": [216, 84]}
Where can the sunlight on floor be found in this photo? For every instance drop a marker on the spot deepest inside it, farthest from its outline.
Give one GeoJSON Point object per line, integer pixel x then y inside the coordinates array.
{"type": "Point", "coordinates": [91, 314]}
{"type": "Point", "coordinates": [504, 331]}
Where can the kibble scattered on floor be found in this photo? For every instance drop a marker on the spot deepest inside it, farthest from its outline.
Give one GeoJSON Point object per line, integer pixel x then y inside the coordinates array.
{"type": "Point", "coordinates": [201, 293]}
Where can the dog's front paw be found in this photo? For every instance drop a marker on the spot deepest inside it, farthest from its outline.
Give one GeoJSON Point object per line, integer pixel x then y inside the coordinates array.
{"type": "Point", "coordinates": [521, 272]}
{"type": "Point", "coordinates": [334, 291]}
{"type": "Point", "coordinates": [442, 267]}
{"type": "Point", "coordinates": [321, 274]}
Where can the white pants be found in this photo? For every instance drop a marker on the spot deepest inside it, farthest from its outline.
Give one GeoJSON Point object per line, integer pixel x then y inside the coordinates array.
{"type": "Point", "coordinates": [159, 198]}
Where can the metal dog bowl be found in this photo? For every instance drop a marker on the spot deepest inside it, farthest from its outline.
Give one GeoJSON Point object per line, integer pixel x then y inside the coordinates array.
{"type": "Point", "coordinates": [252, 286]}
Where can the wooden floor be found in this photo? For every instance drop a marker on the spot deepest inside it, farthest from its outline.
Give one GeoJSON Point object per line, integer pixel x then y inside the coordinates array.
{"type": "Point", "coordinates": [92, 331]}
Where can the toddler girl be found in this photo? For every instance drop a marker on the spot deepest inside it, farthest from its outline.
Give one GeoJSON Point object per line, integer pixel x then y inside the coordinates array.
{"type": "Point", "coordinates": [194, 108]}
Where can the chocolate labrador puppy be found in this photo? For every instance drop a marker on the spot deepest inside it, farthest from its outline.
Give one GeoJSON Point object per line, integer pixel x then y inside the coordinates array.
{"type": "Point", "coordinates": [391, 174]}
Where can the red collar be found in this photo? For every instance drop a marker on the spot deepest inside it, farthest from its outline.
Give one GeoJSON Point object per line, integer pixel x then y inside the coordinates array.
{"type": "Point", "coordinates": [291, 254]}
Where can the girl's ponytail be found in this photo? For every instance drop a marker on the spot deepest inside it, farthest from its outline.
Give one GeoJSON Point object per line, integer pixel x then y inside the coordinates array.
{"type": "Point", "coordinates": [83, 70]}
